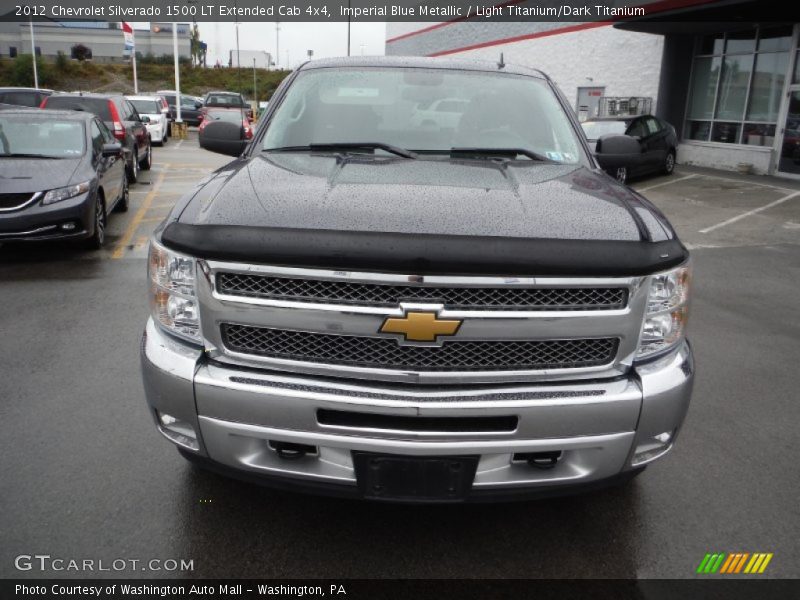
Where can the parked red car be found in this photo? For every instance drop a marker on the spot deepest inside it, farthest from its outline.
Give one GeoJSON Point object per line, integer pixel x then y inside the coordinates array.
{"type": "Point", "coordinates": [120, 117]}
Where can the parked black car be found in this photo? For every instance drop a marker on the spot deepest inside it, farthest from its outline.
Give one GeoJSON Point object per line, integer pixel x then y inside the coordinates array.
{"type": "Point", "coordinates": [61, 172]}
{"type": "Point", "coordinates": [653, 152]}
{"type": "Point", "coordinates": [121, 118]}
{"type": "Point", "coordinates": [190, 107]}
{"type": "Point", "coordinates": [22, 96]}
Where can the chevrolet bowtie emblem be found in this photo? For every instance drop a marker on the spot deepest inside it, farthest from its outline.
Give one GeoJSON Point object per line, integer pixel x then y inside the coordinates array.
{"type": "Point", "coordinates": [420, 326]}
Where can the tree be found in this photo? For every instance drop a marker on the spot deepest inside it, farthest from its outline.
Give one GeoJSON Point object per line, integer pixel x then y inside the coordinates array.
{"type": "Point", "coordinates": [81, 52]}
{"type": "Point", "coordinates": [194, 46]}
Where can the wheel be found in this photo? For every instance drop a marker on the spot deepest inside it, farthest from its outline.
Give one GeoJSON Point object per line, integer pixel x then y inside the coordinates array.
{"type": "Point", "coordinates": [147, 160]}
{"type": "Point", "coordinates": [99, 233]}
{"type": "Point", "coordinates": [669, 162]}
{"type": "Point", "coordinates": [621, 174]}
{"type": "Point", "coordinates": [133, 168]}
{"type": "Point", "coordinates": [125, 201]}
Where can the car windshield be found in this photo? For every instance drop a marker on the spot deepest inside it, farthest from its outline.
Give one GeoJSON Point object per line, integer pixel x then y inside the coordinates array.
{"type": "Point", "coordinates": [231, 116]}
{"type": "Point", "coordinates": [147, 107]}
{"type": "Point", "coordinates": [224, 99]}
{"type": "Point", "coordinates": [40, 136]}
{"type": "Point", "coordinates": [20, 98]}
{"type": "Point", "coordinates": [425, 111]}
{"type": "Point", "coordinates": [594, 129]}
{"type": "Point", "coordinates": [98, 106]}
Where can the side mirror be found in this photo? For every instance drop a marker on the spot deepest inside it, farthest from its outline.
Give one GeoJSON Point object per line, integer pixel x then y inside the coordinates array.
{"type": "Point", "coordinates": [113, 149]}
{"type": "Point", "coordinates": [198, 105]}
{"type": "Point", "coordinates": [614, 151]}
{"type": "Point", "coordinates": [223, 138]}
{"type": "Point", "coordinates": [144, 118]}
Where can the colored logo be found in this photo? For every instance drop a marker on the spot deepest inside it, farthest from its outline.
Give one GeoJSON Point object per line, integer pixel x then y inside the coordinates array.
{"type": "Point", "coordinates": [420, 326]}
{"type": "Point", "coordinates": [734, 562]}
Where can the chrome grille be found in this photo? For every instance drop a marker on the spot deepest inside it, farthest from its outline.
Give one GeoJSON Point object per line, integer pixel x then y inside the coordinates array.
{"type": "Point", "coordinates": [387, 353]}
{"type": "Point", "coordinates": [464, 298]}
{"type": "Point", "coordinates": [14, 201]}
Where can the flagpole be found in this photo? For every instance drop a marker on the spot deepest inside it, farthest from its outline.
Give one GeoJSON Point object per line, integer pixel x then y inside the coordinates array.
{"type": "Point", "coordinates": [135, 79]}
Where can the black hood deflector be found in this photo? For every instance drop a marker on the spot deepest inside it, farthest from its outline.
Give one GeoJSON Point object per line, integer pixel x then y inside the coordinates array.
{"type": "Point", "coordinates": [422, 254]}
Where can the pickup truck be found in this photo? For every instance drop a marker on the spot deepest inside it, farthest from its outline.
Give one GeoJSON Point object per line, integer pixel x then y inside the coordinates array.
{"type": "Point", "coordinates": [359, 307]}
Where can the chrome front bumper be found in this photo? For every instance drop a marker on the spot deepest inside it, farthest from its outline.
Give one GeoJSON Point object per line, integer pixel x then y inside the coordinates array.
{"type": "Point", "coordinates": [598, 426]}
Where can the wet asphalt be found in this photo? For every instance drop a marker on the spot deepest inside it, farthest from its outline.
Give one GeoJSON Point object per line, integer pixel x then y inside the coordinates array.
{"type": "Point", "coordinates": [85, 475]}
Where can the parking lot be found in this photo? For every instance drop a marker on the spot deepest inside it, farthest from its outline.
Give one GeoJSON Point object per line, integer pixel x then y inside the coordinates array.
{"type": "Point", "coordinates": [86, 475]}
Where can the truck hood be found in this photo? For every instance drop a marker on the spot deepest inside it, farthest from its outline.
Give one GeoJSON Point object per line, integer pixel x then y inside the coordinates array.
{"type": "Point", "coordinates": [422, 216]}
{"type": "Point", "coordinates": [440, 197]}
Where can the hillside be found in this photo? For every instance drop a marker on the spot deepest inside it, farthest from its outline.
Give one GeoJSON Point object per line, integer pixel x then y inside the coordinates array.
{"type": "Point", "coordinates": [70, 75]}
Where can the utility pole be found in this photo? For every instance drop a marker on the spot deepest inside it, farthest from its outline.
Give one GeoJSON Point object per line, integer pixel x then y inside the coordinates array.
{"type": "Point", "coordinates": [255, 89]}
{"type": "Point", "coordinates": [33, 52]}
{"type": "Point", "coordinates": [277, 44]}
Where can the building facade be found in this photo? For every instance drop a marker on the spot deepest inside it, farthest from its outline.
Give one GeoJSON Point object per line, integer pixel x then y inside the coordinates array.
{"type": "Point", "coordinates": [103, 39]}
{"type": "Point", "coordinates": [732, 90]}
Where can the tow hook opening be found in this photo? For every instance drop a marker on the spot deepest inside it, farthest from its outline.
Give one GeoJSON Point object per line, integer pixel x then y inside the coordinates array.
{"type": "Point", "coordinates": [540, 460]}
{"type": "Point", "coordinates": [292, 451]}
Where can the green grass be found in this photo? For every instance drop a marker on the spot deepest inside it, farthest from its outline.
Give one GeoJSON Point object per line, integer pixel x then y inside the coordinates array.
{"type": "Point", "coordinates": [70, 75]}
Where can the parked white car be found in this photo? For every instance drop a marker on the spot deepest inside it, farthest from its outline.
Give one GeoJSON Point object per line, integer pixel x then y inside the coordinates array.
{"type": "Point", "coordinates": [150, 106]}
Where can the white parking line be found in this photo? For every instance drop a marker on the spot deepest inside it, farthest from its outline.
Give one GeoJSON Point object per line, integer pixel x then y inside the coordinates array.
{"type": "Point", "coordinates": [671, 181]}
{"type": "Point", "coordinates": [746, 182]}
{"type": "Point", "coordinates": [750, 212]}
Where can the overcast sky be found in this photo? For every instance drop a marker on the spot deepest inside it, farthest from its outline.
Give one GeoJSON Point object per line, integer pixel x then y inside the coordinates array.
{"type": "Point", "coordinates": [325, 39]}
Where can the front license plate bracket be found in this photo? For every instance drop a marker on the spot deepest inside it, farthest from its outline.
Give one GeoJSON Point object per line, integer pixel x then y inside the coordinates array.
{"type": "Point", "coordinates": [414, 478]}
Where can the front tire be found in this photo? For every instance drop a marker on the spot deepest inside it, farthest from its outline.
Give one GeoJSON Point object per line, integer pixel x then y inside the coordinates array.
{"type": "Point", "coordinates": [133, 168]}
{"type": "Point", "coordinates": [98, 238]}
{"type": "Point", "coordinates": [669, 163]}
{"type": "Point", "coordinates": [125, 200]}
{"type": "Point", "coordinates": [147, 160]}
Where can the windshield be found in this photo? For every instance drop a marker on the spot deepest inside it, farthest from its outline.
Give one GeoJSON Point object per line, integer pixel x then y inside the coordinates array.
{"type": "Point", "coordinates": [146, 107]}
{"type": "Point", "coordinates": [98, 106]}
{"type": "Point", "coordinates": [423, 110]}
{"type": "Point", "coordinates": [594, 129]}
{"type": "Point", "coordinates": [231, 116]}
{"type": "Point", "coordinates": [36, 135]}
{"type": "Point", "coordinates": [224, 99]}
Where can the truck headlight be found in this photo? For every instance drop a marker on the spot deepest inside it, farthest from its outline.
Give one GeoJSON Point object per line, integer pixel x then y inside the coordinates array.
{"type": "Point", "coordinates": [173, 301]}
{"type": "Point", "coordinates": [64, 193]}
{"type": "Point", "coordinates": [667, 311]}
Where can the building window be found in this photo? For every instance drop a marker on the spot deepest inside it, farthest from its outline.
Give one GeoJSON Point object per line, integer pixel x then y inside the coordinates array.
{"type": "Point", "coordinates": [736, 85]}
{"type": "Point", "coordinates": [12, 51]}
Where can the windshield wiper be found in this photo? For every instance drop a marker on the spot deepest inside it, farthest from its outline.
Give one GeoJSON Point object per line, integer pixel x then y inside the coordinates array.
{"type": "Point", "coordinates": [498, 152]}
{"type": "Point", "coordinates": [334, 146]}
{"type": "Point", "coordinates": [26, 155]}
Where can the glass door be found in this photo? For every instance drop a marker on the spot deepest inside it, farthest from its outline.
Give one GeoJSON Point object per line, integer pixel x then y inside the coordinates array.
{"type": "Point", "coordinates": [789, 151]}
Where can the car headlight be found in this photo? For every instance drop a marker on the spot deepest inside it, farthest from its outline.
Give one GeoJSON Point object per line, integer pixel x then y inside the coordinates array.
{"type": "Point", "coordinates": [173, 301]}
{"type": "Point", "coordinates": [667, 312]}
{"type": "Point", "coordinates": [64, 193]}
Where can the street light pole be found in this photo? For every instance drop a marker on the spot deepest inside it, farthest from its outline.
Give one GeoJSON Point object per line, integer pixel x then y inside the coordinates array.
{"type": "Point", "coordinates": [33, 52]}
{"type": "Point", "coordinates": [177, 73]}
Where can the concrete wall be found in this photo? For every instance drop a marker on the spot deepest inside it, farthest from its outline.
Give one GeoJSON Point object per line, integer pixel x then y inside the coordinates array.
{"type": "Point", "coordinates": [724, 156]}
{"type": "Point", "coordinates": [626, 63]}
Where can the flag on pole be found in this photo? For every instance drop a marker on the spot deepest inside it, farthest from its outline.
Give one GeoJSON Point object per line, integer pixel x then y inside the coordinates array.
{"type": "Point", "coordinates": [127, 31]}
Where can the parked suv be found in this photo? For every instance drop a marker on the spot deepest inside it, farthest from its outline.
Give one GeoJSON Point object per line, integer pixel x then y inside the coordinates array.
{"type": "Point", "coordinates": [121, 118]}
{"type": "Point", "coordinates": [364, 307]}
